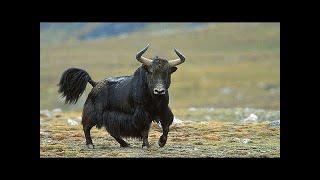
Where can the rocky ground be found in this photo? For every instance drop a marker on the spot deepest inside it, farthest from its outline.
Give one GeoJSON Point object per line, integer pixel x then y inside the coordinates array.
{"type": "Point", "coordinates": [199, 132]}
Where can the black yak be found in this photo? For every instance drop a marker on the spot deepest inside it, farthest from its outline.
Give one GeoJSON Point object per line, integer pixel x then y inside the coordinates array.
{"type": "Point", "coordinates": [126, 105]}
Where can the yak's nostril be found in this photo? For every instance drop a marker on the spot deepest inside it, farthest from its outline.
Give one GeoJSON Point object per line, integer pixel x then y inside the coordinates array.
{"type": "Point", "coordinates": [159, 91]}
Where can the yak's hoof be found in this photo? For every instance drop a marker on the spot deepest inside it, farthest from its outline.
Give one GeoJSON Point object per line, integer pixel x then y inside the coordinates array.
{"type": "Point", "coordinates": [161, 144]}
{"type": "Point", "coordinates": [162, 141]}
{"type": "Point", "coordinates": [146, 145]}
{"type": "Point", "coordinates": [125, 145]}
{"type": "Point", "coordinates": [90, 146]}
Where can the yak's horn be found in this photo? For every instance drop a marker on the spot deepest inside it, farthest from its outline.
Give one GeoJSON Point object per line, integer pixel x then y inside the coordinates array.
{"type": "Point", "coordinates": [143, 60]}
{"type": "Point", "coordinates": [176, 62]}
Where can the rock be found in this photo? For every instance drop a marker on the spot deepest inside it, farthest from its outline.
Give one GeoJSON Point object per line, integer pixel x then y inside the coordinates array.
{"type": "Point", "coordinates": [177, 121]}
{"type": "Point", "coordinates": [236, 139]}
{"type": "Point", "coordinates": [45, 113]}
{"type": "Point", "coordinates": [192, 109]}
{"type": "Point", "coordinates": [72, 122]}
{"type": "Point", "coordinates": [275, 123]}
{"type": "Point", "coordinates": [225, 90]}
{"type": "Point", "coordinates": [267, 86]}
{"type": "Point", "coordinates": [209, 109]}
{"type": "Point", "coordinates": [246, 141]}
{"type": "Point", "coordinates": [159, 125]}
{"type": "Point", "coordinates": [79, 118]}
{"type": "Point", "coordinates": [44, 133]}
{"type": "Point", "coordinates": [207, 117]}
{"type": "Point", "coordinates": [57, 110]}
{"type": "Point", "coordinates": [251, 119]}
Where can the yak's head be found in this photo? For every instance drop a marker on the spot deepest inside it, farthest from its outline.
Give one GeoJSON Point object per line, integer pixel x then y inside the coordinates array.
{"type": "Point", "coordinates": [159, 71]}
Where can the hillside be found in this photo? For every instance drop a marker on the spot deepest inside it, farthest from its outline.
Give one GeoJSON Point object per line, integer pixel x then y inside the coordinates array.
{"type": "Point", "coordinates": [227, 65]}
{"type": "Point", "coordinates": [51, 33]}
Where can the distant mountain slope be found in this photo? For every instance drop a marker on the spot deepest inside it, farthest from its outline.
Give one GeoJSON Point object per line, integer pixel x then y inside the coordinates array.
{"type": "Point", "coordinates": [62, 32]}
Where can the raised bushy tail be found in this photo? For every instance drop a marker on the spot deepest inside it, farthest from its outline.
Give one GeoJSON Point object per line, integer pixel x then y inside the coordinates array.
{"type": "Point", "coordinates": [72, 84]}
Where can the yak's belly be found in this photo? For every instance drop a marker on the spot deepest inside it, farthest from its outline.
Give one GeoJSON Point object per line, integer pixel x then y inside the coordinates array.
{"type": "Point", "coordinates": [124, 125]}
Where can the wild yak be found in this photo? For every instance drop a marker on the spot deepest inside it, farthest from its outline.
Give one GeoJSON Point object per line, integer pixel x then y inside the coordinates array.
{"type": "Point", "coordinates": [126, 105]}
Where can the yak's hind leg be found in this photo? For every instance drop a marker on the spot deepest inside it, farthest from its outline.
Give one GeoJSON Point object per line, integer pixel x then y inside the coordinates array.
{"type": "Point", "coordinates": [116, 122]}
{"type": "Point", "coordinates": [145, 134]}
{"type": "Point", "coordinates": [87, 125]}
{"type": "Point", "coordinates": [121, 141]}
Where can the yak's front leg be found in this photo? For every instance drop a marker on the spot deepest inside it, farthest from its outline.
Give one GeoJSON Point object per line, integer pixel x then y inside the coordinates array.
{"type": "Point", "coordinates": [166, 119]}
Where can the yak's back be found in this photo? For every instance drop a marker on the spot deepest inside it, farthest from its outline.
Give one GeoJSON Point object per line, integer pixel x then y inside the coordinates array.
{"type": "Point", "coordinates": [112, 93]}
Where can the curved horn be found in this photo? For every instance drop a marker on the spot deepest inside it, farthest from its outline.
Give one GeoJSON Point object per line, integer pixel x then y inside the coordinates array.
{"type": "Point", "coordinates": [176, 62]}
{"type": "Point", "coordinates": [143, 60]}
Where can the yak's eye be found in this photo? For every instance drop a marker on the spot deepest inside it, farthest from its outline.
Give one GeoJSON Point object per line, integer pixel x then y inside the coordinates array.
{"type": "Point", "coordinates": [148, 69]}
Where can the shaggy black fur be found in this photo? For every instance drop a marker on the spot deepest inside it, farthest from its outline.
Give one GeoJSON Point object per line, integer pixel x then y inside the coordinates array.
{"type": "Point", "coordinates": [125, 105]}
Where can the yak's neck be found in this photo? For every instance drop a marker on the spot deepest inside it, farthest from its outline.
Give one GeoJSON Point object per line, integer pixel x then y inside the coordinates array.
{"type": "Point", "coordinates": [142, 94]}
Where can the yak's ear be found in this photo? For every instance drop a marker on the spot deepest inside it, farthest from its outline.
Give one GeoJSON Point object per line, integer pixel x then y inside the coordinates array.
{"type": "Point", "coordinates": [173, 69]}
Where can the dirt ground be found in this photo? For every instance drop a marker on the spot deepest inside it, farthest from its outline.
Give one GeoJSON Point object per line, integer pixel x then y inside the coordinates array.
{"type": "Point", "coordinates": [189, 139]}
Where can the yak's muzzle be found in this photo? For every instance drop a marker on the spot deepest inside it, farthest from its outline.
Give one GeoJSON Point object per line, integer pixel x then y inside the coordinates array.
{"type": "Point", "coordinates": [159, 91]}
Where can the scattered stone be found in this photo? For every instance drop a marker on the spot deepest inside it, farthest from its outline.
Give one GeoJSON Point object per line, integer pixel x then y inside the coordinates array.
{"type": "Point", "coordinates": [177, 121]}
{"type": "Point", "coordinates": [236, 139]}
{"type": "Point", "coordinates": [267, 86]}
{"type": "Point", "coordinates": [79, 118]}
{"type": "Point", "coordinates": [275, 123]}
{"type": "Point", "coordinates": [246, 141]}
{"type": "Point", "coordinates": [225, 90]}
{"type": "Point", "coordinates": [192, 109]}
{"type": "Point", "coordinates": [45, 113]}
{"type": "Point", "coordinates": [207, 117]}
{"type": "Point", "coordinates": [274, 90]}
{"type": "Point", "coordinates": [57, 110]}
{"type": "Point", "coordinates": [209, 109]}
{"type": "Point", "coordinates": [72, 122]}
{"type": "Point", "coordinates": [251, 119]}
{"type": "Point", "coordinates": [44, 133]}
{"type": "Point", "coordinates": [203, 122]}
{"type": "Point", "coordinates": [159, 125]}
